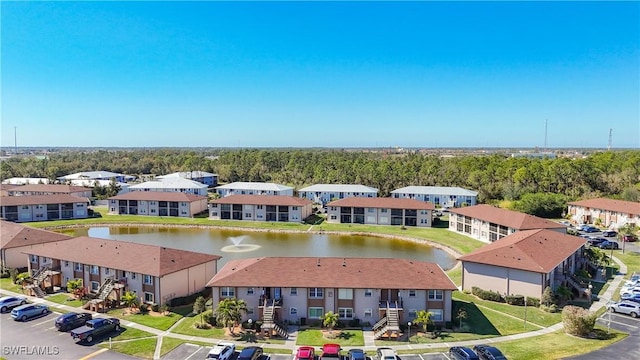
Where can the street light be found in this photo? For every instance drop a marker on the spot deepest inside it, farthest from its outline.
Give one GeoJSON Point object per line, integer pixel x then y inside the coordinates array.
{"type": "Point", "coordinates": [409, 331]}
{"type": "Point", "coordinates": [250, 322]}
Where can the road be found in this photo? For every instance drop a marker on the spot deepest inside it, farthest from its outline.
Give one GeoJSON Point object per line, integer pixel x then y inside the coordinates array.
{"type": "Point", "coordinates": [39, 339]}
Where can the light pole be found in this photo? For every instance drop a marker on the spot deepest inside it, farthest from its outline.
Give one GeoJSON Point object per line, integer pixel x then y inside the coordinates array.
{"type": "Point", "coordinates": [250, 321]}
{"type": "Point", "coordinates": [409, 331]}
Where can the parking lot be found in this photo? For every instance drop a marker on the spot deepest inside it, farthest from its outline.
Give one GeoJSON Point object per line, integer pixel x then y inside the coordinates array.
{"type": "Point", "coordinates": [38, 338]}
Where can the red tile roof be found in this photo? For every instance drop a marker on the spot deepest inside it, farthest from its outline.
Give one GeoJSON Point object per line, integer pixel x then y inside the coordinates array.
{"type": "Point", "coordinates": [121, 255]}
{"type": "Point", "coordinates": [531, 250]}
{"type": "Point", "coordinates": [158, 196]}
{"type": "Point", "coordinates": [327, 272]}
{"type": "Point", "coordinates": [14, 235]}
{"type": "Point", "coordinates": [278, 200]}
{"type": "Point", "coordinates": [621, 206]}
{"type": "Point", "coordinates": [386, 203]}
{"type": "Point", "coordinates": [41, 200]}
{"type": "Point", "coordinates": [51, 188]}
{"type": "Point", "coordinates": [513, 219]}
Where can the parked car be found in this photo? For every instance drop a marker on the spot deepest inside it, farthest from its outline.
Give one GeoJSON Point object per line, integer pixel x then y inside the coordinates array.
{"type": "Point", "coordinates": [385, 353]}
{"type": "Point", "coordinates": [629, 291]}
{"type": "Point", "coordinates": [356, 354]}
{"type": "Point", "coordinates": [9, 302]}
{"type": "Point", "coordinates": [330, 351]}
{"type": "Point", "coordinates": [629, 238]}
{"type": "Point", "coordinates": [580, 227]}
{"type": "Point", "coordinates": [608, 245]}
{"type": "Point", "coordinates": [250, 353]}
{"type": "Point", "coordinates": [95, 328]}
{"type": "Point", "coordinates": [626, 307]}
{"type": "Point", "coordinates": [27, 311]}
{"type": "Point", "coordinates": [305, 353]}
{"type": "Point", "coordinates": [630, 297]}
{"type": "Point", "coordinates": [222, 351]}
{"type": "Point", "coordinates": [72, 320]}
{"type": "Point", "coordinates": [595, 241]}
{"type": "Point", "coordinates": [609, 233]}
{"type": "Point", "coordinates": [462, 353]}
{"type": "Point", "coordinates": [590, 229]}
{"type": "Point", "coordinates": [486, 352]}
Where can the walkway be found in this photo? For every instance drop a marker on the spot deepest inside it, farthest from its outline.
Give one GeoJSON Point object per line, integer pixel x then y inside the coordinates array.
{"type": "Point", "coordinates": [369, 345]}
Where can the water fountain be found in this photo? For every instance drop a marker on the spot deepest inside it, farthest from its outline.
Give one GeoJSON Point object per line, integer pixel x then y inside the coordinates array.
{"type": "Point", "coordinates": [238, 246]}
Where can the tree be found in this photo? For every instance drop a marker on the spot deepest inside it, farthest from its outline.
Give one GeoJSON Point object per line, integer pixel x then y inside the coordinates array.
{"type": "Point", "coordinates": [74, 286]}
{"type": "Point", "coordinates": [563, 293]}
{"type": "Point", "coordinates": [547, 296]}
{"type": "Point", "coordinates": [545, 205]}
{"type": "Point", "coordinates": [229, 312]}
{"type": "Point", "coordinates": [461, 315]}
{"type": "Point", "coordinates": [130, 299]}
{"type": "Point", "coordinates": [112, 189]}
{"type": "Point", "coordinates": [199, 306]}
{"type": "Point", "coordinates": [578, 321]}
{"type": "Point", "coordinates": [330, 320]}
{"type": "Point", "coordinates": [423, 317]}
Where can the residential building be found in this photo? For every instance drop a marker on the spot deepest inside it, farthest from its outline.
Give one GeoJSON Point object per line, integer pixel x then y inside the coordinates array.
{"type": "Point", "coordinates": [44, 207]}
{"type": "Point", "coordinates": [324, 193]}
{"type": "Point", "coordinates": [15, 238]}
{"type": "Point", "coordinates": [489, 223]}
{"type": "Point", "coordinates": [50, 189]}
{"type": "Point", "coordinates": [524, 263]}
{"type": "Point", "coordinates": [155, 273]}
{"type": "Point", "coordinates": [260, 208]}
{"type": "Point", "coordinates": [444, 196]}
{"type": "Point", "coordinates": [25, 181]}
{"type": "Point", "coordinates": [385, 292]}
{"type": "Point", "coordinates": [254, 188]}
{"type": "Point", "coordinates": [380, 211]}
{"type": "Point", "coordinates": [203, 177]}
{"type": "Point", "coordinates": [178, 184]}
{"type": "Point", "coordinates": [157, 203]}
{"type": "Point", "coordinates": [98, 175]}
{"type": "Point", "coordinates": [4, 189]}
{"type": "Point", "coordinates": [609, 213]}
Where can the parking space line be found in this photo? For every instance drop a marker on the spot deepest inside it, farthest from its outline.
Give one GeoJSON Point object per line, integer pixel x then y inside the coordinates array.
{"type": "Point", "coordinates": [193, 353]}
{"type": "Point", "coordinates": [94, 354]}
{"type": "Point", "coordinates": [43, 322]}
{"type": "Point", "coordinates": [605, 321]}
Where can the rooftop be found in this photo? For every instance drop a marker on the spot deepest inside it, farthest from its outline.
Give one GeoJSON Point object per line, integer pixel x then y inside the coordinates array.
{"type": "Point", "coordinates": [621, 206]}
{"type": "Point", "coordinates": [387, 203]}
{"type": "Point", "coordinates": [262, 200]}
{"type": "Point", "coordinates": [512, 219]}
{"type": "Point", "coordinates": [435, 190]}
{"type": "Point", "coordinates": [169, 183]}
{"type": "Point", "coordinates": [261, 186]}
{"type": "Point", "coordinates": [354, 188]}
{"type": "Point", "coordinates": [51, 188]}
{"type": "Point", "coordinates": [14, 235]}
{"type": "Point", "coordinates": [93, 175]}
{"type": "Point", "coordinates": [187, 175]}
{"type": "Point", "coordinates": [157, 196]}
{"type": "Point", "coordinates": [41, 200]}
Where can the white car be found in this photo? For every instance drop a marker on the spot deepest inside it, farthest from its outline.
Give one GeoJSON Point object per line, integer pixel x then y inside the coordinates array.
{"type": "Point", "coordinates": [9, 302]}
{"type": "Point", "coordinates": [222, 351]}
{"type": "Point", "coordinates": [630, 291]}
{"type": "Point", "coordinates": [626, 307]}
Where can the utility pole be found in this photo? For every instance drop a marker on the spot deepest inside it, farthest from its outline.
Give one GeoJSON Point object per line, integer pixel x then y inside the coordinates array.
{"type": "Point", "coordinates": [610, 139]}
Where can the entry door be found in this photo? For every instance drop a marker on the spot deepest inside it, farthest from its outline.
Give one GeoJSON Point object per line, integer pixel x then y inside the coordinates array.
{"type": "Point", "coordinates": [277, 293]}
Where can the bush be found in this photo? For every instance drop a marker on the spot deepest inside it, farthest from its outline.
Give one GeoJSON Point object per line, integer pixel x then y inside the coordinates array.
{"type": "Point", "coordinates": [514, 300]}
{"type": "Point", "coordinates": [533, 301]}
{"type": "Point", "coordinates": [185, 300]}
{"type": "Point", "coordinates": [578, 321]}
{"type": "Point", "coordinates": [553, 308]}
{"type": "Point", "coordinates": [486, 294]}
{"type": "Point", "coordinates": [22, 277]}
{"type": "Point", "coordinates": [164, 308]}
{"type": "Point", "coordinates": [208, 318]}
{"type": "Point", "coordinates": [13, 274]}
{"type": "Point", "coordinates": [144, 309]}
{"type": "Point", "coordinates": [155, 307]}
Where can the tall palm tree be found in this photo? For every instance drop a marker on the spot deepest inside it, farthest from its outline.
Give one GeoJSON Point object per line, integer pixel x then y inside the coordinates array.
{"type": "Point", "coordinates": [229, 312]}
{"type": "Point", "coordinates": [423, 317]}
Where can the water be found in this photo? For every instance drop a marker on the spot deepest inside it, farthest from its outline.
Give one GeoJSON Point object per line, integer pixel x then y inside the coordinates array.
{"type": "Point", "coordinates": [236, 244]}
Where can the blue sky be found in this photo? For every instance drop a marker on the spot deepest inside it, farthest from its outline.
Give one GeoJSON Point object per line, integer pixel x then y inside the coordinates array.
{"type": "Point", "coordinates": [329, 74]}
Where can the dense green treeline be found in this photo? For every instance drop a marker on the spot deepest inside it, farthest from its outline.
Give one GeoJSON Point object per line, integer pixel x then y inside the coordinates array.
{"type": "Point", "coordinates": [496, 177]}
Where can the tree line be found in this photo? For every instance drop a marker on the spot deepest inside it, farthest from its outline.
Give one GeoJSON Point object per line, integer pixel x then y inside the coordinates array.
{"type": "Point", "coordinates": [496, 177]}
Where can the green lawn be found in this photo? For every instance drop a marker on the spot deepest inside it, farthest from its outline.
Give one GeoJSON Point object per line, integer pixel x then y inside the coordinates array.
{"type": "Point", "coordinates": [455, 275]}
{"type": "Point", "coordinates": [314, 337]}
{"type": "Point", "coordinates": [161, 322]}
{"type": "Point", "coordinates": [186, 327]}
{"type": "Point", "coordinates": [128, 333]}
{"type": "Point", "coordinates": [143, 348]}
{"type": "Point", "coordinates": [65, 299]}
{"type": "Point", "coordinates": [7, 284]}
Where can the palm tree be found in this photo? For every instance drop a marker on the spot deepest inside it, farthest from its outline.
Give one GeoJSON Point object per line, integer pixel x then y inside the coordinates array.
{"type": "Point", "coordinates": [229, 312]}
{"type": "Point", "coordinates": [199, 306]}
{"type": "Point", "coordinates": [423, 317]}
{"type": "Point", "coordinates": [330, 320]}
{"type": "Point", "coordinates": [130, 299]}
{"type": "Point", "coordinates": [461, 315]}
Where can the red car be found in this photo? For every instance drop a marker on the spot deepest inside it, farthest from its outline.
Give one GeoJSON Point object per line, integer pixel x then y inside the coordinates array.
{"type": "Point", "coordinates": [305, 353]}
{"type": "Point", "coordinates": [629, 238]}
{"type": "Point", "coordinates": [330, 351]}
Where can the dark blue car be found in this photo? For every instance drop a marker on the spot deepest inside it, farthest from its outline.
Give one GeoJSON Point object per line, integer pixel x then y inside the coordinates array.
{"type": "Point", "coordinates": [608, 245]}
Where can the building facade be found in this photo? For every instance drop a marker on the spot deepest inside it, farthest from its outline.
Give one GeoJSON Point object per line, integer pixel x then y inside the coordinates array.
{"type": "Point", "coordinates": [253, 188]}
{"type": "Point", "coordinates": [207, 178]}
{"type": "Point", "coordinates": [380, 211]}
{"type": "Point", "coordinates": [16, 238]}
{"type": "Point", "coordinates": [608, 213]}
{"type": "Point", "coordinates": [98, 175]}
{"type": "Point", "coordinates": [155, 203]}
{"type": "Point", "coordinates": [260, 208]}
{"type": "Point", "coordinates": [325, 193]}
{"type": "Point", "coordinates": [50, 189]}
{"type": "Point", "coordinates": [43, 207]}
{"type": "Point", "coordinates": [173, 184]}
{"type": "Point", "coordinates": [447, 197]}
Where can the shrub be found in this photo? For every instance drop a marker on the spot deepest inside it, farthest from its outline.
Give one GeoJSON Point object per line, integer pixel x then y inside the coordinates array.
{"type": "Point", "coordinates": [164, 308]}
{"type": "Point", "coordinates": [22, 277]}
{"type": "Point", "coordinates": [533, 301]}
{"type": "Point", "coordinates": [578, 321]}
{"type": "Point", "coordinates": [13, 274]}
{"type": "Point", "coordinates": [144, 309]}
{"type": "Point", "coordinates": [514, 300]}
{"type": "Point", "coordinates": [207, 317]}
{"type": "Point", "coordinates": [185, 300]}
{"type": "Point", "coordinates": [155, 307]}
{"type": "Point", "coordinates": [486, 294]}
{"type": "Point", "coordinates": [200, 325]}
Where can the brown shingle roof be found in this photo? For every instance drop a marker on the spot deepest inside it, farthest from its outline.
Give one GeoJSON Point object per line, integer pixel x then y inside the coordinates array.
{"type": "Point", "coordinates": [41, 200]}
{"type": "Point", "coordinates": [621, 206]}
{"type": "Point", "coordinates": [51, 188]}
{"type": "Point", "coordinates": [158, 196]}
{"type": "Point", "coordinates": [513, 219]}
{"type": "Point", "coordinates": [532, 250]}
{"type": "Point", "coordinates": [278, 200]}
{"type": "Point", "coordinates": [121, 255]}
{"type": "Point", "coordinates": [387, 203]}
{"type": "Point", "coordinates": [14, 235]}
{"type": "Point", "coordinates": [357, 273]}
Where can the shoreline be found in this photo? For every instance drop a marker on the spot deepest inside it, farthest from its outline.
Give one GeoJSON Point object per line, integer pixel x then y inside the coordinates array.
{"type": "Point", "coordinates": [453, 253]}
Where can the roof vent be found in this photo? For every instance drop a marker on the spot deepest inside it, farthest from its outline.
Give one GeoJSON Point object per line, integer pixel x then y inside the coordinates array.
{"type": "Point", "coordinates": [344, 262]}
{"type": "Point", "coordinates": [318, 264]}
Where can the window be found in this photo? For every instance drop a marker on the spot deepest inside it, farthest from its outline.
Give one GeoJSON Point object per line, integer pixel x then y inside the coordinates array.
{"type": "Point", "coordinates": [227, 292]}
{"type": "Point", "coordinates": [95, 286]}
{"type": "Point", "coordinates": [294, 292]}
{"type": "Point", "coordinates": [250, 310]}
{"type": "Point", "coordinates": [294, 208]}
{"type": "Point", "coordinates": [412, 293]}
{"type": "Point", "coordinates": [345, 294]}
{"type": "Point", "coordinates": [148, 297]}
{"type": "Point", "coordinates": [259, 207]}
{"type": "Point", "coordinates": [34, 258]}
{"type": "Point", "coordinates": [368, 292]}
{"type": "Point", "coordinates": [134, 276]}
{"type": "Point", "coordinates": [107, 271]}
{"type": "Point", "coordinates": [436, 314]}
{"type": "Point", "coordinates": [147, 279]}
{"type": "Point", "coordinates": [316, 293]}
{"type": "Point", "coordinates": [435, 294]}
{"type": "Point", "coordinates": [77, 266]}
{"type": "Point", "coordinates": [249, 291]}
{"type": "Point", "coordinates": [384, 210]}
{"type": "Point", "coordinates": [94, 270]}
{"type": "Point", "coordinates": [293, 311]}
{"type": "Point", "coordinates": [316, 312]}
{"type": "Point", "coordinates": [371, 210]}
{"type": "Point", "coordinates": [368, 312]}
{"type": "Point", "coordinates": [412, 313]}
{"type": "Point", "coordinates": [248, 215]}
{"type": "Point", "coordinates": [66, 264]}
{"type": "Point", "coordinates": [345, 313]}
{"type": "Point", "coordinates": [333, 217]}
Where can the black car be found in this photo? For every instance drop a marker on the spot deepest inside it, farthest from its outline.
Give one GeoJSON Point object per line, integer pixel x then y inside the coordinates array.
{"type": "Point", "coordinates": [609, 233]}
{"type": "Point", "coordinates": [595, 241]}
{"type": "Point", "coordinates": [486, 352]}
{"type": "Point", "coordinates": [70, 321]}
{"type": "Point", "coordinates": [462, 353]}
{"type": "Point", "coordinates": [608, 245]}
{"type": "Point", "coordinates": [356, 354]}
{"type": "Point", "coordinates": [250, 353]}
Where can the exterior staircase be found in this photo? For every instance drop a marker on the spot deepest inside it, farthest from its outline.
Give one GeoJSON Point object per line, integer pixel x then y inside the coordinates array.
{"type": "Point", "coordinates": [105, 289]}
{"type": "Point", "coordinates": [387, 324]}
{"type": "Point", "coordinates": [38, 277]}
{"type": "Point", "coordinates": [269, 324]}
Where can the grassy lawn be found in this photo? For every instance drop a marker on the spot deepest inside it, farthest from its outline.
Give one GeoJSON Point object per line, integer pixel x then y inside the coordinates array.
{"type": "Point", "coordinates": [534, 315]}
{"type": "Point", "coordinates": [314, 337]}
{"type": "Point", "coordinates": [455, 275]}
{"type": "Point", "coordinates": [128, 333]}
{"type": "Point", "coordinates": [65, 299]}
{"type": "Point", "coordinates": [186, 327]}
{"type": "Point", "coordinates": [631, 259]}
{"type": "Point", "coordinates": [143, 348]}
{"type": "Point", "coordinates": [7, 284]}
{"type": "Point", "coordinates": [160, 322]}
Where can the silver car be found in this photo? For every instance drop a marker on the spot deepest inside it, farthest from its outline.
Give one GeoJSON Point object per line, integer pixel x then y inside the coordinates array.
{"type": "Point", "coordinates": [9, 302]}
{"type": "Point", "coordinates": [626, 307]}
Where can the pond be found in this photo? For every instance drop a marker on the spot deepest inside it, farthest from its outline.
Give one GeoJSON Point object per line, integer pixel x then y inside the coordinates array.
{"type": "Point", "coordinates": [238, 244]}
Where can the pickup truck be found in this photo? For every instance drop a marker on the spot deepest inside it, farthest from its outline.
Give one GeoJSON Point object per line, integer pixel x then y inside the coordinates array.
{"type": "Point", "coordinates": [95, 328]}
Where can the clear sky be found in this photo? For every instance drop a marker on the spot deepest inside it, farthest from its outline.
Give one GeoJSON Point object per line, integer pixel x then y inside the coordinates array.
{"type": "Point", "coordinates": [329, 74]}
